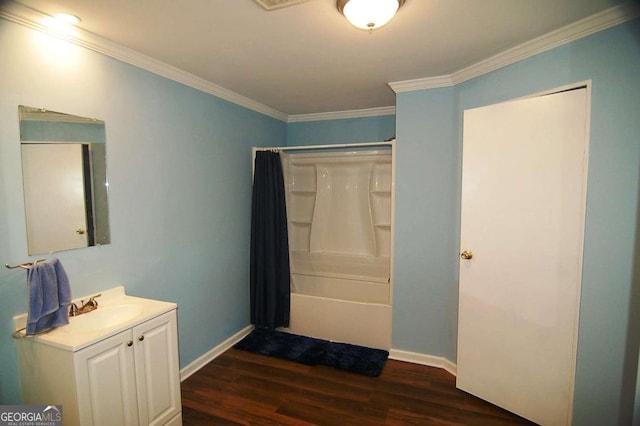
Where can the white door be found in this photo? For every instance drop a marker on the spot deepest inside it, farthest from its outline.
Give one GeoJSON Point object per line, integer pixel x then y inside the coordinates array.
{"type": "Point", "coordinates": [54, 197]}
{"type": "Point", "coordinates": [523, 198]}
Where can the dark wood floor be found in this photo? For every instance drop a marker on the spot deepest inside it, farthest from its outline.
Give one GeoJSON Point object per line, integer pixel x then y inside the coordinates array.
{"type": "Point", "coordinates": [241, 388]}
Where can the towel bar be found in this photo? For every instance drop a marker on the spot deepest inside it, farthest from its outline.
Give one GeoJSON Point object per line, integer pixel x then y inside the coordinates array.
{"type": "Point", "coordinates": [18, 334]}
{"type": "Point", "coordinates": [26, 265]}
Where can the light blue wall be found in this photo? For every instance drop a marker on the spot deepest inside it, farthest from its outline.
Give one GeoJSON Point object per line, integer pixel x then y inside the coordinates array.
{"type": "Point", "coordinates": [350, 130]}
{"type": "Point", "coordinates": [64, 132]}
{"type": "Point", "coordinates": [611, 59]}
{"type": "Point", "coordinates": [179, 166]}
{"type": "Point", "coordinates": [425, 259]}
{"type": "Point", "coordinates": [179, 163]}
{"type": "Point", "coordinates": [429, 150]}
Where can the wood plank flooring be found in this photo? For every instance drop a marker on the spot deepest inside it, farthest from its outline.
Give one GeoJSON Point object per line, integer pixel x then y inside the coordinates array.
{"type": "Point", "coordinates": [242, 388]}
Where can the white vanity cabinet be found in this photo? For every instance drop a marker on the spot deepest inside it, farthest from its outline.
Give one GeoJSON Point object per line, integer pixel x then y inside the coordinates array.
{"type": "Point", "coordinates": [126, 376]}
{"type": "Point", "coordinates": [131, 378]}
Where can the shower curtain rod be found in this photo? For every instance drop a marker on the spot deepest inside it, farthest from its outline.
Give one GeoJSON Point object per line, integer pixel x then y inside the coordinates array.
{"type": "Point", "coordinates": [307, 147]}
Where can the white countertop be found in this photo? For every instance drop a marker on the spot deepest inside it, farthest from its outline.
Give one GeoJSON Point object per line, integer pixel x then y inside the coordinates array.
{"type": "Point", "coordinates": [63, 338]}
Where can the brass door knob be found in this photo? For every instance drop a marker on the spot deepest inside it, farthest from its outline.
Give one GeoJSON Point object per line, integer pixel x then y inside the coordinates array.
{"type": "Point", "coordinates": [466, 255]}
{"type": "Point", "coordinates": [80, 231]}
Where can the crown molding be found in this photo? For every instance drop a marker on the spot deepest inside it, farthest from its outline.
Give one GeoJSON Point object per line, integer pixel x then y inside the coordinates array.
{"type": "Point", "coordinates": [577, 30]}
{"type": "Point", "coordinates": [572, 32]}
{"type": "Point", "coordinates": [421, 84]}
{"type": "Point", "coordinates": [34, 19]}
{"type": "Point", "coordinates": [613, 16]}
{"type": "Point", "coordinates": [339, 115]}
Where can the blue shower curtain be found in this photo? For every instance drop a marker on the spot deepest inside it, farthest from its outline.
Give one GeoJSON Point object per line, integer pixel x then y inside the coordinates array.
{"type": "Point", "coordinates": [270, 278]}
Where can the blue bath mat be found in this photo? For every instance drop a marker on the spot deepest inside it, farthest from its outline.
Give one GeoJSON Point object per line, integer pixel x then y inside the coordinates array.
{"type": "Point", "coordinates": [291, 347]}
{"type": "Point", "coordinates": [312, 351]}
{"type": "Point", "coordinates": [354, 358]}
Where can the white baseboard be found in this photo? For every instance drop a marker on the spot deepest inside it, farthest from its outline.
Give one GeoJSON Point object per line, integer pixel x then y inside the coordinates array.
{"type": "Point", "coordinates": [413, 357]}
{"type": "Point", "coordinates": [424, 359]}
{"type": "Point", "coordinates": [209, 356]}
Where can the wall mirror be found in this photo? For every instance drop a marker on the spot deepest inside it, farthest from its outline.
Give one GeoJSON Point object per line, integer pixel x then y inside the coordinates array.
{"type": "Point", "coordinates": [65, 180]}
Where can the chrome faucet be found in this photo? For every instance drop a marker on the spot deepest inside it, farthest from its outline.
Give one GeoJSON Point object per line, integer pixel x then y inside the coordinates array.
{"type": "Point", "coordinates": [91, 305]}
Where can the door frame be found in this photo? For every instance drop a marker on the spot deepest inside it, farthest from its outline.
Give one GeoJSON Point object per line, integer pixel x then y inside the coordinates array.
{"type": "Point", "coordinates": [585, 179]}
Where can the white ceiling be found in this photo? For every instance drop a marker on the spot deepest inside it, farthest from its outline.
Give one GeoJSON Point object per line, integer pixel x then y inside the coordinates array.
{"type": "Point", "coordinates": [307, 58]}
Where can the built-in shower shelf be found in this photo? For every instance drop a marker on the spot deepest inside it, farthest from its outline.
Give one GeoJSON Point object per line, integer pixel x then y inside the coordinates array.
{"type": "Point", "coordinates": [382, 225]}
{"type": "Point", "coordinates": [303, 191]}
{"type": "Point", "coordinates": [301, 222]}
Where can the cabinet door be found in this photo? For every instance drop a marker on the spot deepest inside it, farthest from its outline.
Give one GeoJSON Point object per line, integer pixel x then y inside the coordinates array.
{"type": "Point", "coordinates": [107, 382]}
{"type": "Point", "coordinates": [157, 369]}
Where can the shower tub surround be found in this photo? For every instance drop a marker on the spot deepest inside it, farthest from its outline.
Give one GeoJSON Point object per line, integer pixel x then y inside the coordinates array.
{"type": "Point", "coordinates": [339, 208]}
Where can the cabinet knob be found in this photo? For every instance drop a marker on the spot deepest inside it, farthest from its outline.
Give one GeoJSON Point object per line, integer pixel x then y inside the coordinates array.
{"type": "Point", "coordinates": [141, 338]}
{"type": "Point", "coordinates": [130, 343]}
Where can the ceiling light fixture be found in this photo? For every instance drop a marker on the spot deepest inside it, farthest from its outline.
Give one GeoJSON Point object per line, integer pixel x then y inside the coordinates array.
{"type": "Point", "coordinates": [62, 23]}
{"type": "Point", "coordinates": [66, 19]}
{"type": "Point", "coordinates": [369, 14]}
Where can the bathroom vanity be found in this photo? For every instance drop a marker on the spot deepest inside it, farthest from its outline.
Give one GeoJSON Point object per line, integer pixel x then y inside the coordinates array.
{"type": "Point", "coordinates": [117, 365]}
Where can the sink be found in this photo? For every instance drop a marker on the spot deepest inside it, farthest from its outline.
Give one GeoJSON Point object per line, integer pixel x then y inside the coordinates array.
{"type": "Point", "coordinates": [102, 318]}
{"type": "Point", "coordinates": [116, 312]}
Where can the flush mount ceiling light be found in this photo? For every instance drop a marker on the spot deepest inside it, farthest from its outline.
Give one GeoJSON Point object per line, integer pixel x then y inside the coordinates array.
{"type": "Point", "coordinates": [66, 19]}
{"type": "Point", "coordinates": [62, 24]}
{"type": "Point", "coordinates": [369, 14]}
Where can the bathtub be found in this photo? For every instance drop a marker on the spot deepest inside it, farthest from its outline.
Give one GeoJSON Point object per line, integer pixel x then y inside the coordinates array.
{"type": "Point", "coordinates": [341, 298]}
{"type": "Point", "coordinates": [339, 209]}
{"type": "Point", "coordinates": [365, 324]}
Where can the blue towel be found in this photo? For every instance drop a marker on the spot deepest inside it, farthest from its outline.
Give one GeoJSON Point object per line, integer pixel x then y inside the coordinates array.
{"type": "Point", "coordinates": [49, 296]}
